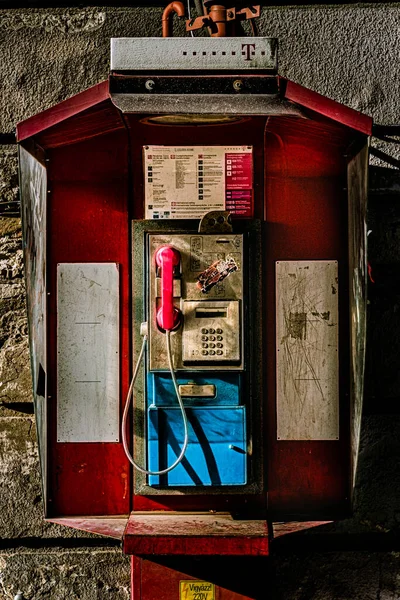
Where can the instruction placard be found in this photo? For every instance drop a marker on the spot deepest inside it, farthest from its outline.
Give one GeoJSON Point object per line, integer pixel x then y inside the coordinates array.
{"type": "Point", "coordinates": [196, 590]}
{"type": "Point", "coordinates": [183, 182]}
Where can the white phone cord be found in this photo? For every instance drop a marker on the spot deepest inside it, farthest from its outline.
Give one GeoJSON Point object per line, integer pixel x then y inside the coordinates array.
{"type": "Point", "coordinates": [181, 406]}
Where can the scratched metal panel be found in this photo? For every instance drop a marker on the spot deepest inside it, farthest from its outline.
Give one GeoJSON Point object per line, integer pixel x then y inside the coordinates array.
{"type": "Point", "coordinates": [33, 191]}
{"type": "Point", "coordinates": [88, 352]}
{"type": "Point", "coordinates": [358, 192]}
{"type": "Point", "coordinates": [307, 350]}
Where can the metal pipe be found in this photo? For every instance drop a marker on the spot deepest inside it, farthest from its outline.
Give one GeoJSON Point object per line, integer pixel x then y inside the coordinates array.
{"type": "Point", "coordinates": [217, 14]}
{"type": "Point", "coordinates": [170, 10]}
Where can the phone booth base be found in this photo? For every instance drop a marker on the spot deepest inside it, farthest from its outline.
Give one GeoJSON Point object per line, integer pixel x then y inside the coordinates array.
{"type": "Point", "coordinates": [189, 556]}
{"type": "Point", "coordinates": [202, 579]}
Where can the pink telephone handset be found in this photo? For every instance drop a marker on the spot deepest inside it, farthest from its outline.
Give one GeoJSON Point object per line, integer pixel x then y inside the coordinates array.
{"type": "Point", "coordinates": [168, 316]}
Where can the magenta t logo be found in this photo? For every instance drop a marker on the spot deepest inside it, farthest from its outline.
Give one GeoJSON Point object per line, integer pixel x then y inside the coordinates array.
{"type": "Point", "coordinates": [248, 50]}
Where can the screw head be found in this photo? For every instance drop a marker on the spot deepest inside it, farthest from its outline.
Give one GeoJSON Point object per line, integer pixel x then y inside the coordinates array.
{"type": "Point", "coordinates": [150, 85]}
{"type": "Point", "coordinates": [238, 85]}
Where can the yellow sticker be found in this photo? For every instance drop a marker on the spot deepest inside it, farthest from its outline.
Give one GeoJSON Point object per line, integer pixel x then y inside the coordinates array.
{"type": "Point", "coordinates": [196, 590]}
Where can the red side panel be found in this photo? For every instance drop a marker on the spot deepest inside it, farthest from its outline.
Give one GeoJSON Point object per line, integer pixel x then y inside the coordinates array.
{"type": "Point", "coordinates": [88, 222]}
{"type": "Point", "coordinates": [327, 107]}
{"type": "Point", "coordinates": [62, 111]}
{"type": "Point", "coordinates": [306, 219]}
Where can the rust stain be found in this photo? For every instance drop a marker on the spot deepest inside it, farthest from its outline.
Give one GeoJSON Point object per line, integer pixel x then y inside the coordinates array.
{"type": "Point", "coordinates": [298, 325]}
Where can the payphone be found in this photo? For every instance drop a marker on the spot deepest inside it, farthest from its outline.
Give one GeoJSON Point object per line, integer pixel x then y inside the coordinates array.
{"type": "Point", "coordinates": [197, 323]}
{"type": "Point", "coordinates": [217, 257]}
{"type": "Point", "coordinates": [195, 398]}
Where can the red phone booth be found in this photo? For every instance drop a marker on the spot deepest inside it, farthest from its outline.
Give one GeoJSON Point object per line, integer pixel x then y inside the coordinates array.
{"type": "Point", "coordinates": [201, 218]}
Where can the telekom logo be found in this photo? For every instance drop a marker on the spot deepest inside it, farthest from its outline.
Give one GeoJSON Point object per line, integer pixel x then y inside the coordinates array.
{"type": "Point", "coordinates": [248, 50]}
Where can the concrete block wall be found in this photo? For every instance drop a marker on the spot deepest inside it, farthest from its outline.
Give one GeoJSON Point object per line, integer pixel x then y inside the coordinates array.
{"type": "Point", "coordinates": [349, 53]}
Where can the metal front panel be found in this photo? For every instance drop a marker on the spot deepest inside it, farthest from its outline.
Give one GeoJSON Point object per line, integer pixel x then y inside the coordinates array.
{"type": "Point", "coordinates": [199, 53]}
{"type": "Point", "coordinates": [88, 352]}
{"type": "Point", "coordinates": [307, 350]}
{"type": "Point", "coordinates": [197, 252]}
{"type": "Point", "coordinates": [33, 190]}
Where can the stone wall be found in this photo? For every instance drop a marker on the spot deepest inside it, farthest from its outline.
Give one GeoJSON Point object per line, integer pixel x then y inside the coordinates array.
{"type": "Point", "coordinates": [349, 53]}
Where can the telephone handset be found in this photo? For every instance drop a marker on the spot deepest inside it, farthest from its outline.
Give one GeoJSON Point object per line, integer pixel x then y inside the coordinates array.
{"type": "Point", "coordinates": [168, 316]}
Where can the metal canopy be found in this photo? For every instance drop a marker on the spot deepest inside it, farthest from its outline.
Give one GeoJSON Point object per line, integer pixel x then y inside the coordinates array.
{"type": "Point", "coordinates": [100, 111]}
{"type": "Point", "coordinates": [219, 104]}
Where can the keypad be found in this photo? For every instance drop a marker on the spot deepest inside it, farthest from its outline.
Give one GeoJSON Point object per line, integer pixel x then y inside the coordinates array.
{"type": "Point", "coordinates": [208, 338]}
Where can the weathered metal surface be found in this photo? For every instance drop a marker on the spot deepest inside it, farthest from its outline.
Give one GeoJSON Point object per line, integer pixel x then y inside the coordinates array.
{"type": "Point", "coordinates": [113, 527]}
{"type": "Point", "coordinates": [307, 350]}
{"type": "Point", "coordinates": [284, 528]}
{"type": "Point", "coordinates": [201, 53]}
{"type": "Point", "coordinates": [33, 189]}
{"type": "Point", "coordinates": [357, 212]}
{"type": "Point", "coordinates": [197, 252]}
{"type": "Point", "coordinates": [195, 534]}
{"type": "Point", "coordinates": [88, 351]}
{"type": "Point", "coordinates": [221, 104]}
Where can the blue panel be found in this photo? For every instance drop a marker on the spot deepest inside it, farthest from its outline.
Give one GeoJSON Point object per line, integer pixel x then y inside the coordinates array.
{"type": "Point", "coordinates": [216, 454]}
{"type": "Point", "coordinates": [161, 391]}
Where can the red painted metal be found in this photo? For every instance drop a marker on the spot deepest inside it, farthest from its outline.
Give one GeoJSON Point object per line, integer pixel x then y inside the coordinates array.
{"type": "Point", "coordinates": [88, 221]}
{"type": "Point", "coordinates": [234, 578]}
{"type": "Point", "coordinates": [326, 107]}
{"type": "Point", "coordinates": [195, 534]}
{"type": "Point", "coordinates": [306, 219]}
{"type": "Point", "coordinates": [62, 111]}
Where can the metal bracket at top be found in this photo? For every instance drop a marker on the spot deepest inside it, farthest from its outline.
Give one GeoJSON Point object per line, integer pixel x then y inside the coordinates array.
{"type": "Point", "coordinates": [216, 221]}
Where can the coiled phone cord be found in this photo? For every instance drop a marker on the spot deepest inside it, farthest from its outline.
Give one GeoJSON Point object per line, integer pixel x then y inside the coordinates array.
{"type": "Point", "coordinates": [181, 406]}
